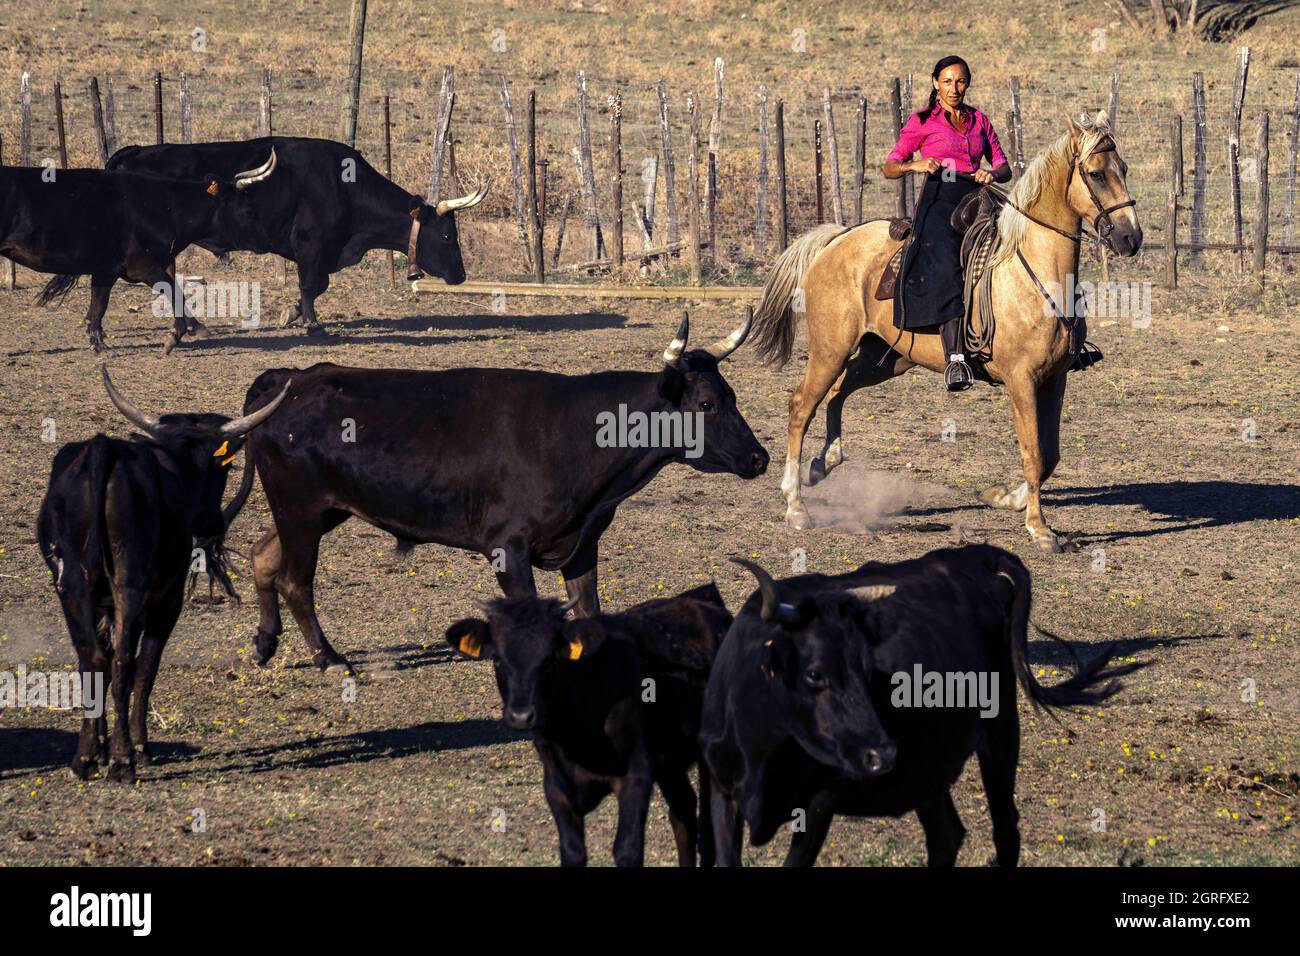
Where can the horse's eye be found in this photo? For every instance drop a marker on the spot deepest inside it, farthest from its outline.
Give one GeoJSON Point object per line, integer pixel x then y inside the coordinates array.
{"type": "Point", "coordinates": [1097, 175]}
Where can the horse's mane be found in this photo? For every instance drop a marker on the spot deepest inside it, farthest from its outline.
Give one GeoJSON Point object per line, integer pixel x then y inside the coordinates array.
{"type": "Point", "coordinates": [1052, 162]}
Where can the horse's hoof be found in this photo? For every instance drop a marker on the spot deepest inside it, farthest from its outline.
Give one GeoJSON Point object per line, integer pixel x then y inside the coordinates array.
{"type": "Point", "coordinates": [290, 315]}
{"type": "Point", "coordinates": [170, 342]}
{"type": "Point", "coordinates": [198, 331]}
{"type": "Point", "coordinates": [817, 472]}
{"type": "Point", "coordinates": [798, 518]}
{"type": "Point", "coordinates": [1005, 497]}
{"type": "Point", "coordinates": [265, 646]}
{"type": "Point", "coordinates": [1047, 542]}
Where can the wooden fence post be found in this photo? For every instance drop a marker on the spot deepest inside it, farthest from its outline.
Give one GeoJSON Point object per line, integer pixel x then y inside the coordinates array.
{"type": "Point", "coordinates": [352, 97]}
{"type": "Point", "coordinates": [25, 120]}
{"type": "Point", "coordinates": [559, 232]}
{"type": "Point", "coordinates": [586, 172]}
{"type": "Point", "coordinates": [1292, 148]}
{"type": "Point", "coordinates": [760, 210]}
{"type": "Point", "coordinates": [1261, 200]}
{"type": "Point", "coordinates": [1199, 172]}
{"type": "Point", "coordinates": [1234, 150]}
{"type": "Point", "coordinates": [187, 127]}
{"type": "Point", "coordinates": [110, 116]}
{"type": "Point", "coordinates": [264, 123]}
{"type": "Point", "coordinates": [535, 200]}
{"type": "Point", "coordinates": [782, 213]}
{"type": "Point", "coordinates": [711, 161]}
{"type": "Point", "coordinates": [895, 118]}
{"type": "Point", "coordinates": [859, 159]}
{"type": "Point", "coordinates": [58, 123]}
{"type": "Point", "coordinates": [441, 127]}
{"type": "Point", "coordinates": [1171, 208]}
{"type": "Point", "coordinates": [817, 169]}
{"type": "Point", "coordinates": [1112, 111]}
{"type": "Point", "coordinates": [1018, 126]}
{"type": "Point", "coordinates": [616, 174]}
{"type": "Point", "coordinates": [693, 189]}
{"type": "Point", "coordinates": [97, 115]}
{"type": "Point", "coordinates": [388, 172]}
{"type": "Point", "coordinates": [905, 113]}
{"type": "Point", "coordinates": [157, 108]}
{"type": "Point", "coordinates": [7, 268]}
{"type": "Point", "coordinates": [670, 176]}
{"type": "Point", "coordinates": [837, 197]}
{"type": "Point", "coordinates": [516, 173]}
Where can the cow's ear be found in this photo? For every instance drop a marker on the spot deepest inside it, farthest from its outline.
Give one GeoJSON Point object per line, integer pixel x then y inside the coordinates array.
{"type": "Point", "coordinates": [582, 638]}
{"type": "Point", "coordinates": [779, 658]}
{"type": "Point", "coordinates": [470, 638]}
{"type": "Point", "coordinates": [672, 384]}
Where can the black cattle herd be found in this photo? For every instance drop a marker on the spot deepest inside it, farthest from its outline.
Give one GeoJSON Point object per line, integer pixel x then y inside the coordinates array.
{"type": "Point", "coordinates": [790, 710]}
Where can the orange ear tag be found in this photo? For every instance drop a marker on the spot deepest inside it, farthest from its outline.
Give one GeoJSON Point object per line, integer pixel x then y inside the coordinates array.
{"type": "Point", "coordinates": [469, 646]}
{"type": "Point", "coordinates": [575, 650]}
{"type": "Point", "coordinates": [213, 187]}
{"type": "Point", "coordinates": [225, 446]}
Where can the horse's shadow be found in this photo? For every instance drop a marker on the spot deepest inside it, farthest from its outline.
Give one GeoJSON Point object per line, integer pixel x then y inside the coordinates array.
{"type": "Point", "coordinates": [1175, 505]}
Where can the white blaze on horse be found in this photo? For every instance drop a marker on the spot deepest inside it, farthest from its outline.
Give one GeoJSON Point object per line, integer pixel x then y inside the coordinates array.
{"type": "Point", "coordinates": [853, 343]}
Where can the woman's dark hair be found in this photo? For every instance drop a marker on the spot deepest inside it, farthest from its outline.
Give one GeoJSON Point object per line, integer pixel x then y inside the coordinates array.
{"type": "Point", "coordinates": [939, 67]}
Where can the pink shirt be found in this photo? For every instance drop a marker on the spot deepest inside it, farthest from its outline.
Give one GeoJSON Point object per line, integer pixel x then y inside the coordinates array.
{"type": "Point", "coordinates": [936, 138]}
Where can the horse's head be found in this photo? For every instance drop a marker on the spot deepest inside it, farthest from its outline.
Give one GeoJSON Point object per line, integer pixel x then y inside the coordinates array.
{"type": "Point", "coordinates": [1097, 186]}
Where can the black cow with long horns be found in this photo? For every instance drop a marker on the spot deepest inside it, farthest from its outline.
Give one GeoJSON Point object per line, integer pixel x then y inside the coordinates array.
{"type": "Point", "coordinates": [329, 209]}
{"type": "Point", "coordinates": [128, 226]}
{"type": "Point", "coordinates": [525, 467]}
{"type": "Point", "coordinates": [117, 530]}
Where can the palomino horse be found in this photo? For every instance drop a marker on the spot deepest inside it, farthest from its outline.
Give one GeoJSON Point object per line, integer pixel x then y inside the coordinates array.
{"type": "Point", "coordinates": [852, 341]}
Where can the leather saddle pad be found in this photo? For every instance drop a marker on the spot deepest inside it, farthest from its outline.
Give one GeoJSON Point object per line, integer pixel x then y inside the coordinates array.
{"type": "Point", "coordinates": [900, 230]}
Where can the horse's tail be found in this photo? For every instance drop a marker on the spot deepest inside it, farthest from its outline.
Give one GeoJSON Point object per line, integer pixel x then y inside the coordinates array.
{"type": "Point", "coordinates": [56, 289]}
{"type": "Point", "coordinates": [776, 319]}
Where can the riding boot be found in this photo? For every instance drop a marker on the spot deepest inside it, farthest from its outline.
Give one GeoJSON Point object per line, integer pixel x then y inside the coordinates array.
{"type": "Point", "coordinates": [958, 375]}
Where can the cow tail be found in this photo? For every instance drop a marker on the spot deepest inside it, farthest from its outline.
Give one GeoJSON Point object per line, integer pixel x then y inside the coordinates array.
{"type": "Point", "coordinates": [56, 289]}
{"type": "Point", "coordinates": [97, 552]}
{"type": "Point", "coordinates": [1093, 682]}
{"type": "Point", "coordinates": [776, 319]}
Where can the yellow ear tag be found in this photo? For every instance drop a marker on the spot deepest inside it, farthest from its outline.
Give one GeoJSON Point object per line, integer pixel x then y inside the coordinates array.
{"type": "Point", "coordinates": [469, 646]}
{"type": "Point", "coordinates": [575, 650]}
{"type": "Point", "coordinates": [225, 446]}
{"type": "Point", "coordinates": [227, 461]}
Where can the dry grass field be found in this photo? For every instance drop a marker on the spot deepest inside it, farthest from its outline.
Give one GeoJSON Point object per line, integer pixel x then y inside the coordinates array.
{"type": "Point", "coordinates": [1184, 537]}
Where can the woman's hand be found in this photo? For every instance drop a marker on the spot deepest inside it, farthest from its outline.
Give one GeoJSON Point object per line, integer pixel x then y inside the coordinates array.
{"type": "Point", "coordinates": [924, 165]}
{"type": "Point", "coordinates": [983, 177]}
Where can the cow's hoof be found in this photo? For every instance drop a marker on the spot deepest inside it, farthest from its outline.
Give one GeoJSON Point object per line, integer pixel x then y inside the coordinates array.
{"type": "Point", "coordinates": [265, 645]}
{"type": "Point", "coordinates": [121, 771]}
{"type": "Point", "coordinates": [290, 316]}
{"type": "Point", "coordinates": [83, 768]}
{"type": "Point", "coordinates": [97, 343]}
{"type": "Point", "coordinates": [798, 518]}
{"type": "Point", "coordinates": [333, 665]}
{"type": "Point", "coordinates": [318, 330]}
{"type": "Point", "coordinates": [143, 757]}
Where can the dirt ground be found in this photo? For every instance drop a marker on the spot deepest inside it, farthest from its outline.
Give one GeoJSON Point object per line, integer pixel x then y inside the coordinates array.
{"type": "Point", "coordinates": [1183, 549]}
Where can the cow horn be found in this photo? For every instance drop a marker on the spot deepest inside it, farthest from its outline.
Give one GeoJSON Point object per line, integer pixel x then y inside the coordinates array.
{"type": "Point", "coordinates": [248, 177]}
{"type": "Point", "coordinates": [673, 353]}
{"type": "Point", "coordinates": [873, 592]}
{"type": "Point", "coordinates": [569, 605]}
{"type": "Point", "coordinates": [240, 426]}
{"type": "Point", "coordinates": [146, 423]}
{"type": "Point", "coordinates": [464, 202]}
{"type": "Point", "coordinates": [725, 346]}
{"type": "Point", "coordinates": [774, 609]}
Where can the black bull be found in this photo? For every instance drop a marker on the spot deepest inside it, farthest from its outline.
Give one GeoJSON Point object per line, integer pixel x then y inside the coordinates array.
{"type": "Point", "coordinates": [129, 226]}
{"type": "Point", "coordinates": [329, 208]}
{"type": "Point", "coordinates": [504, 462]}
{"type": "Point", "coordinates": [807, 712]}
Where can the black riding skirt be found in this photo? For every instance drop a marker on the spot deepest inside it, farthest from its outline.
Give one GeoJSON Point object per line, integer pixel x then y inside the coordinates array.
{"type": "Point", "coordinates": [929, 286]}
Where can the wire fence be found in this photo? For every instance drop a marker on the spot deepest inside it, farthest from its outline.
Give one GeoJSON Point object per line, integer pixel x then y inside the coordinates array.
{"type": "Point", "coordinates": [747, 239]}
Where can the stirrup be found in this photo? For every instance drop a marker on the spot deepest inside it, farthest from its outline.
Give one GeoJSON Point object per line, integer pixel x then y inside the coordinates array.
{"type": "Point", "coordinates": [1089, 355]}
{"type": "Point", "coordinates": [958, 376]}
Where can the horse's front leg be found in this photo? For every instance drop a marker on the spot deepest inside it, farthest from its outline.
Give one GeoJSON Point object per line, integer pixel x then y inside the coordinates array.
{"type": "Point", "coordinates": [1025, 408]}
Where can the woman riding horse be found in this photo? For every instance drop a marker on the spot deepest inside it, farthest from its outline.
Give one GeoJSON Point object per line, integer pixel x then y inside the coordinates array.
{"type": "Point", "coordinates": [951, 138]}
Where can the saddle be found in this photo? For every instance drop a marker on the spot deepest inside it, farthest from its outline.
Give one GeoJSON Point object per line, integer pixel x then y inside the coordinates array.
{"type": "Point", "coordinates": [975, 207]}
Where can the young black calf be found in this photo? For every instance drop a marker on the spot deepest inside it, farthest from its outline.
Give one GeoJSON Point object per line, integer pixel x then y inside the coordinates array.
{"type": "Point", "coordinates": [814, 706]}
{"type": "Point", "coordinates": [116, 529]}
{"type": "Point", "coordinates": [613, 702]}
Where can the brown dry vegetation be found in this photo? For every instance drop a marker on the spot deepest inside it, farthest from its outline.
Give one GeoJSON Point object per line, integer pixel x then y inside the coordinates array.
{"type": "Point", "coordinates": [1199, 527]}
